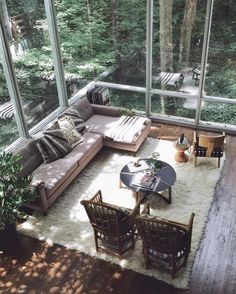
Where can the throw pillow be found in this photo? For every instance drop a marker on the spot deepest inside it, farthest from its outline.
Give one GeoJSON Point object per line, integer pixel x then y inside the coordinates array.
{"type": "Point", "coordinates": [84, 107]}
{"type": "Point", "coordinates": [52, 144]}
{"type": "Point", "coordinates": [80, 126]}
{"type": "Point", "coordinates": [67, 125]}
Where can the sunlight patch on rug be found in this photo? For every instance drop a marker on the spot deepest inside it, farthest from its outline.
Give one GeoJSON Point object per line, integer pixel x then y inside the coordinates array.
{"type": "Point", "coordinates": [67, 223]}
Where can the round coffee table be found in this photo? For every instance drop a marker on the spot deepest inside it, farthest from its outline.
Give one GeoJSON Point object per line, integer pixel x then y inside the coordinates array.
{"type": "Point", "coordinates": [166, 176]}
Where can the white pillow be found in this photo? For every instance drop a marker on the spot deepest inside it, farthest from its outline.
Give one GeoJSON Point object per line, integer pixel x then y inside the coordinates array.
{"type": "Point", "coordinates": [67, 125]}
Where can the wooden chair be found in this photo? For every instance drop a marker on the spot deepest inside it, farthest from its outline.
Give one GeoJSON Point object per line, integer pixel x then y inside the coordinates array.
{"type": "Point", "coordinates": [166, 244]}
{"type": "Point", "coordinates": [208, 146]}
{"type": "Point", "coordinates": [114, 226]}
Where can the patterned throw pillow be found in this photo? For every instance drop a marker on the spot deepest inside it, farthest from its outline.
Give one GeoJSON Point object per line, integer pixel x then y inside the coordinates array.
{"type": "Point", "coordinates": [52, 144]}
{"type": "Point", "coordinates": [67, 125]}
{"type": "Point", "coordinates": [80, 126]}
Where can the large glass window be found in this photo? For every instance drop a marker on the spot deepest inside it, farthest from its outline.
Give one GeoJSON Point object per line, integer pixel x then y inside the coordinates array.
{"type": "Point", "coordinates": [221, 73]}
{"type": "Point", "coordinates": [168, 106]}
{"type": "Point", "coordinates": [27, 30]}
{"type": "Point", "coordinates": [178, 29]}
{"type": "Point", "coordinates": [105, 40]}
{"type": "Point", "coordinates": [102, 39]}
{"type": "Point", "coordinates": [8, 128]}
{"type": "Point", "coordinates": [219, 113]}
{"type": "Point", "coordinates": [129, 100]}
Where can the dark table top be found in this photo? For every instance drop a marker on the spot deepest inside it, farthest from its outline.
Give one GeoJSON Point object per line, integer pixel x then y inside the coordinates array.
{"type": "Point", "coordinates": [166, 173]}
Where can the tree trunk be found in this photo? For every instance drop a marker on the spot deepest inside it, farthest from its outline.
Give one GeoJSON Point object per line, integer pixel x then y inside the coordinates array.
{"type": "Point", "coordinates": [166, 48]}
{"type": "Point", "coordinates": [114, 22]}
{"type": "Point", "coordinates": [186, 31]}
{"type": "Point", "coordinates": [6, 20]}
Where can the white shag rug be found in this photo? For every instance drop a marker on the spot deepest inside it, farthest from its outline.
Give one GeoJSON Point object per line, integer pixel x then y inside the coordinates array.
{"type": "Point", "coordinates": [67, 223]}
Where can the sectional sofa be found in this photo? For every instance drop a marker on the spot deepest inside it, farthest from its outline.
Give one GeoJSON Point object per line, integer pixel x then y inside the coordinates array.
{"type": "Point", "coordinates": [106, 127]}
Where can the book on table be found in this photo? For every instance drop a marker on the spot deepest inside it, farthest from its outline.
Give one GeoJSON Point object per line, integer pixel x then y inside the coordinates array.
{"type": "Point", "coordinates": [145, 180]}
{"type": "Point", "coordinates": [142, 165]}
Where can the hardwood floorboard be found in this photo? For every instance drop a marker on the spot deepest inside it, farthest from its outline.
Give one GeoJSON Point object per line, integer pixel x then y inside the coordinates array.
{"type": "Point", "coordinates": [37, 267]}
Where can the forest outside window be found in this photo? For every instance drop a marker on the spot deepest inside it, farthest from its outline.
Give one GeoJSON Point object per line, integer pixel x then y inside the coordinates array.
{"type": "Point", "coordinates": [28, 39]}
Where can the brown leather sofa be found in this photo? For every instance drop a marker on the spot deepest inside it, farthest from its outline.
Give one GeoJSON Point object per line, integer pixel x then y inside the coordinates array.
{"type": "Point", "coordinates": [51, 179]}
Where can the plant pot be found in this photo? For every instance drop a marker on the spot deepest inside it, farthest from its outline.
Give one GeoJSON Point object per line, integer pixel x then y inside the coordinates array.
{"type": "Point", "coordinates": [8, 238]}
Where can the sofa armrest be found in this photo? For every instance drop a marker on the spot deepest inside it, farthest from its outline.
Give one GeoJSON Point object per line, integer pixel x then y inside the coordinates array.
{"type": "Point", "coordinates": [40, 188]}
{"type": "Point", "coordinates": [37, 184]}
{"type": "Point", "coordinates": [106, 110]}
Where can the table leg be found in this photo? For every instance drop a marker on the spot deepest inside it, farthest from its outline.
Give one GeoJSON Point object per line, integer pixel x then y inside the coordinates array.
{"type": "Point", "coordinates": [137, 196]}
{"type": "Point", "coordinates": [169, 191]}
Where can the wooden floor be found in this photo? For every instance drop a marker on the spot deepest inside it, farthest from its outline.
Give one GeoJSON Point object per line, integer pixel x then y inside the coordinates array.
{"type": "Point", "coordinates": [36, 267]}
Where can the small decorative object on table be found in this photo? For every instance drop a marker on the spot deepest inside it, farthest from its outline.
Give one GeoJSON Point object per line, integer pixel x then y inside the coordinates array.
{"type": "Point", "coordinates": [137, 163]}
{"type": "Point", "coordinates": [153, 162]}
{"type": "Point", "coordinates": [182, 140]}
{"type": "Point", "coordinates": [181, 145]}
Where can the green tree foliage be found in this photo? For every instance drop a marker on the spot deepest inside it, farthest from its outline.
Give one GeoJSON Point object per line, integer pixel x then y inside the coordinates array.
{"type": "Point", "coordinates": [224, 113]}
{"type": "Point", "coordinates": [221, 81]}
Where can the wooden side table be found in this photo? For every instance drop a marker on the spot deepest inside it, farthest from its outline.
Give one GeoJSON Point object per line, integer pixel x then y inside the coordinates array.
{"type": "Point", "coordinates": [180, 155]}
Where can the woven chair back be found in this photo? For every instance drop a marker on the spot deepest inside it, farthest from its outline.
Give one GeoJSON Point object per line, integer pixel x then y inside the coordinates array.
{"type": "Point", "coordinates": [161, 235]}
{"type": "Point", "coordinates": [106, 218]}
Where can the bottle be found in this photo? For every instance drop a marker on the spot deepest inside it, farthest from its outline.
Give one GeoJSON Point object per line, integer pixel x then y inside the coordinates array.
{"type": "Point", "coordinates": [181, 141]}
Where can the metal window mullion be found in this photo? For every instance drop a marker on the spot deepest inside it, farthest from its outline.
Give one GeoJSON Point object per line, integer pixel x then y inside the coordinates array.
{"type": "Point", "coordinates": [56, 52]}
{"type": "Point", "coordinates": [149, 28]}
{"type": "Point", "coordinates": [205, 48]}
{"type": "Point", "coordinates": [12, 84]}
{"type": "Point", "coordinates": [219, 100]}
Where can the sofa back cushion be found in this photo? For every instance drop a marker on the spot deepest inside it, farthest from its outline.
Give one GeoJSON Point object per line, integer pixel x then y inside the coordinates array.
{"type": "Point", "coordinates": [106, 110]}
{"type": "Point", "coordinates": [72, 112]}
{"type": "Point", "coordinates": [30, 158]}
{"type": "Point", "coordinates": [84, 108]}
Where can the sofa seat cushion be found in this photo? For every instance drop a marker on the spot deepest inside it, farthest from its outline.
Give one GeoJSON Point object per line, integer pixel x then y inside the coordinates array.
{"type": "Point", "coordinates": [100, 124]}
{"type": "Point", "coordinates": [53, 174]}
{"type": "Point", "coordinates": [84, 150]}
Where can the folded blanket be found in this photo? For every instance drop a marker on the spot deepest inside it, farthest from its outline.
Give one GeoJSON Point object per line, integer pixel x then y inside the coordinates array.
{"type": "Point", "coordinates": [127, 129]}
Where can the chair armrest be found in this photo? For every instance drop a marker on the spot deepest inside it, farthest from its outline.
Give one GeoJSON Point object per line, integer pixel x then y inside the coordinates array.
{"type": "Point", "coordinates": [194, 137]}
{"type": "Point", "coordinates": [97, 197]}
{"type": "Point", "coordinates": [187, 227]}
{"type": "Point", "coordinates": [136, 210]}
{"type": "Point", "coordinates": [190, 223]}
{"type": "Point", "coordinates": [38, 184]}
{"type": "Point", "coordinates": [224, 138]}
{"type": "Point", "coordinates": [146, 209]}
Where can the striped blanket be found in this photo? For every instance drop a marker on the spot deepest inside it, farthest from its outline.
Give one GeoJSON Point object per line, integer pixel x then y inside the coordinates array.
{"type": "Point", "coordinates": [127, 129]}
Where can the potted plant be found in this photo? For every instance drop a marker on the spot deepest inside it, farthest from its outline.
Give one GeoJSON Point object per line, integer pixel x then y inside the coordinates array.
{"type": "Point", "coordinates": [153, 162]}
{"type": "Point", "coordinates": [14, 192]}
